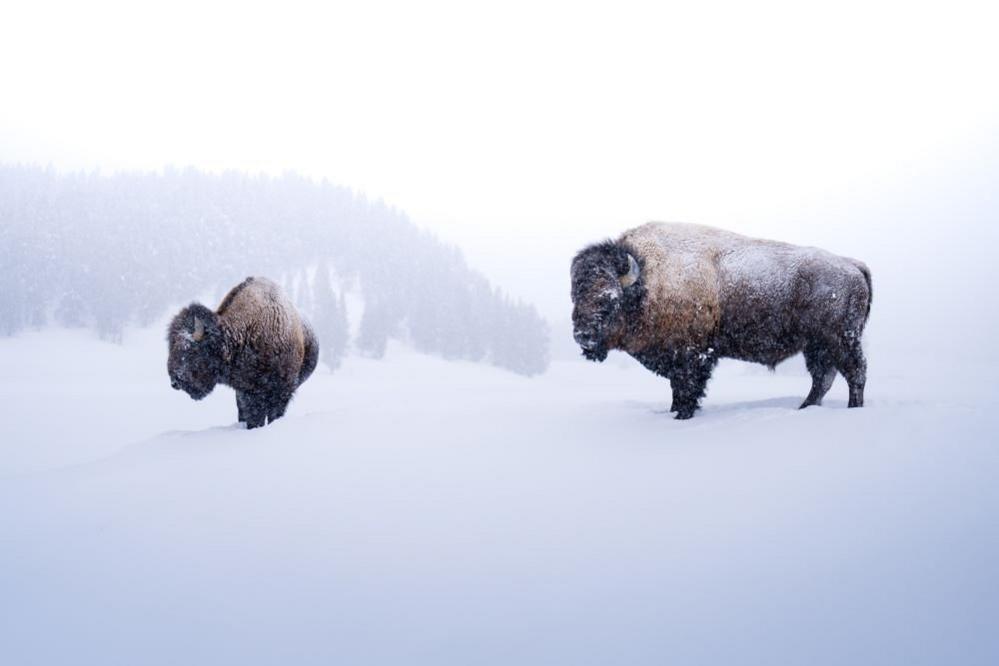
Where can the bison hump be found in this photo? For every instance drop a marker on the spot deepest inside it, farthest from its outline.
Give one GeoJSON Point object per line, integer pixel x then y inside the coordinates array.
{"type": "Point", "coordinates": [680, 272]}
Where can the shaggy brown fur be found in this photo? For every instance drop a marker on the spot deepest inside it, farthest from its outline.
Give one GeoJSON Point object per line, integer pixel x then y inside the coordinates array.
{"type": "Point", "coordinates": [682, 305]}
{"type": "Point", "coordinates": [703, 293]}
{"type": "Point", "coordinates": [256, 342]}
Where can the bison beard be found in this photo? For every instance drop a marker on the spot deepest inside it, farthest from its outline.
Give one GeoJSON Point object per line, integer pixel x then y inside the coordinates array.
{"type": "Point", "coordinates": [679, 297]}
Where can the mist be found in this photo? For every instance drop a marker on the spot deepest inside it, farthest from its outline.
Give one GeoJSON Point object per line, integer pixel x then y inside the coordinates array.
{"type": "Point", "coordinates": [521, 135]}
{"type": "Point", "coordinates": [454, 483]}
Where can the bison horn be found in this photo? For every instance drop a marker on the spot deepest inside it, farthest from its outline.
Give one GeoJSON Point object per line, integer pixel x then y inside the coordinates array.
{"type": "Point", "coordinates": [199, 330]}
{"type": "Point", "coordinates": [631, 277]}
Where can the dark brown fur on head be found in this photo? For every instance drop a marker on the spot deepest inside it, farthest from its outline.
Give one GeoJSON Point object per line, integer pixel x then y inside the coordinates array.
{"type": "Point", "coordinates": [600, 300]}
{"type": "Point", "coordinates": [195, 360]}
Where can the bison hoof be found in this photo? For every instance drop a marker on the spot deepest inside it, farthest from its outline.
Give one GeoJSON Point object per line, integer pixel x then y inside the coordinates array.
{"type": "Point", "coordinates": [684, 414]}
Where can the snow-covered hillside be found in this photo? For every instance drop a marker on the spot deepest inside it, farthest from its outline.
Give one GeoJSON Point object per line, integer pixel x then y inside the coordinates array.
{"type": "Point", "coordinates": [416, 511]}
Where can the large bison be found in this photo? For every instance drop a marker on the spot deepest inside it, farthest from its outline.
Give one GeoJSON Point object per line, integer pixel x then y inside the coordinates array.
{"type": "Point", "coordinates": [678, 297]}
{"type": "Point", "coordinates": [256, 342]}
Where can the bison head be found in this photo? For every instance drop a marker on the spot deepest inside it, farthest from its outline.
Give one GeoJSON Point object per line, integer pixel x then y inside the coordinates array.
{"type": "Point", "coordinates": [601, 274]}
{"type": "Point", "coordinates": [195, 360]}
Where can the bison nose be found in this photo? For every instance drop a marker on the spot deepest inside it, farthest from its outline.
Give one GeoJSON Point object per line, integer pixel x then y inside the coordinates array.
{"type": "Point", "coordinates": [174, 384]}
{"type": "Point", "coordinates": [583, 340]}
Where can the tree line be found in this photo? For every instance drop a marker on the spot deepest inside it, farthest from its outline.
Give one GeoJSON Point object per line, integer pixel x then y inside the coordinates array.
{"type": "Point", "coordinates": [105, 251]}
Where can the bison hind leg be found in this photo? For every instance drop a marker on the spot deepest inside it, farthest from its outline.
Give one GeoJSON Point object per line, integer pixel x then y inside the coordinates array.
{"type": "Point", "coordinates": [278, 408]}
{"type": "Point", "coordinates": [853, 366]}
{"type": "Point", "coordinates": [276, 401]}
{"type": "Point", "coordinates": [821, 367]}
{"type": "Point", "coordinates": [252, 409]}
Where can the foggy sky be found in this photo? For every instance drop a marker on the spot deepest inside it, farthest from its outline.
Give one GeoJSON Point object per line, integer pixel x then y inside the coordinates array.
{"type": "Point", "coordinates": [521, 131]}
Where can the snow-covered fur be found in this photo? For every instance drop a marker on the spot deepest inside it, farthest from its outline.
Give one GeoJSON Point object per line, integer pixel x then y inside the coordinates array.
{"type": "Point", "coordinates": [691, 294]}
{"type": "Point", "coordinates": [256, 342]}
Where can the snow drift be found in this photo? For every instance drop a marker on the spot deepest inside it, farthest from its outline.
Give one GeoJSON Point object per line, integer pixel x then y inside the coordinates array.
{"type": "Point", "coordinates": [422, 511]}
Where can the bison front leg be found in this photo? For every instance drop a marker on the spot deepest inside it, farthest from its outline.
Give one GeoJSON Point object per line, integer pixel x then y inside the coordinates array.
{"type": "Point", "coordinates": [674, 387]}
{"type": "Point", "coordinates": [661, 362]}
{"type": "Point", "coordinates": [241, 406]}
{"type": "Point", "coordinates": [689, 379]}
{"type": "Point", "coordinates": [252, 409]}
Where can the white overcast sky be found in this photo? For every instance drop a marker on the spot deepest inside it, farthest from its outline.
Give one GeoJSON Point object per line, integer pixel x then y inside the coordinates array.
{"type": "Point", "coordinates": [516, 130]}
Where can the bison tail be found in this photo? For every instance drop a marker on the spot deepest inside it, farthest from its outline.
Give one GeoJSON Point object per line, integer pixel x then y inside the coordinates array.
{"type": "Point", "coordinates": [311, 357]}
{"type": "Point", "coordinates": [862, 267]}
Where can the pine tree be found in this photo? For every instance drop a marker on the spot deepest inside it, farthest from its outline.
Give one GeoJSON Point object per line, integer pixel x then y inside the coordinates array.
{"type": "Point", "coordinates": [330, 320]}
{"type": "Point", "coordinates": [375, 329]}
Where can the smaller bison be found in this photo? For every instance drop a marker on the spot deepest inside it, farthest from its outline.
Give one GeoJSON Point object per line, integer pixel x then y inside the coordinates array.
{"type": "Point", "coordinates": [256, 342]}
{"type": "Point", "coordinates": [678, 297]}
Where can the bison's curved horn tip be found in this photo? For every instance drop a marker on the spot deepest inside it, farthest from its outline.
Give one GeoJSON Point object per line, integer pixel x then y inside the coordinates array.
{"type": "Point", "coordinates": [631, 277]}
{"type": "Point", "coordinates": [199, 330]}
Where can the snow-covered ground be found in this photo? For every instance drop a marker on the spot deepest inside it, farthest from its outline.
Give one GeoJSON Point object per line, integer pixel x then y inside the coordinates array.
{"type": "Point", "coordinates": [416, 511]}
